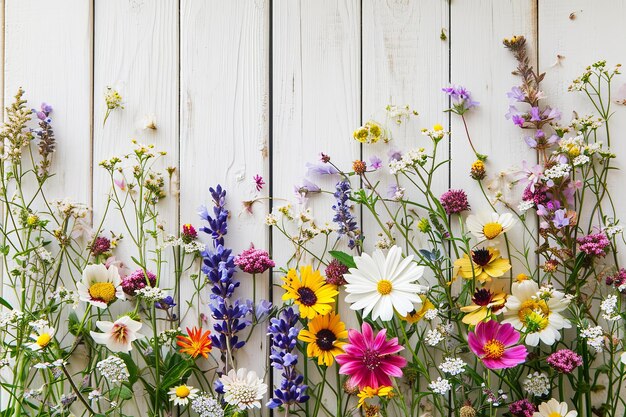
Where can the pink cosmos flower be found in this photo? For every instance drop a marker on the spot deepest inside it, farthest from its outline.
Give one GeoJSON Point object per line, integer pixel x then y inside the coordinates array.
{"type": "Point", "coordinates": [370, 360]}
{"type": "Point", "coordinates": [493, 343]}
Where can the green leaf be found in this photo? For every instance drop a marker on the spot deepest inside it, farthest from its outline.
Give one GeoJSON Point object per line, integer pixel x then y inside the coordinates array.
{"type": "Point", "coordinates": [133, 369]}
{"type": "Point", "coordinates": [344, 258]}
{"type": "Point", "coordinates": [5, 303]}
{"type": "Point", "coordinates": [122, 392]}
{"type": "Point", "coordinates": [174, 374]}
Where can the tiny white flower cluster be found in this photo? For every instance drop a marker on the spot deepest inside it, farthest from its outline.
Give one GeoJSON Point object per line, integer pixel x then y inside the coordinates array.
{"type": "Point", "coordinates": [151, 294]}
{"type": "Point", "coordinates": [440, 386]}
{"type": "Point", "coordinates": [10, 316]}
{"type": "Point", "coordinates": [537, 384]}
{"type": "Point", "coordinates": [580, 160]}
{"type": "Point", "coordinates": [44, 255]}
{"type": "Point", "coordinates": [63, 295]}
{"type": "Point", "coordinates": [383, 243]}
{"type": "Point", "coordinates": [431, 314]}
{"type": "Point", "coordinates": [525, 205]}
{"type": "Point", "coordinates": [169, 335]}
{"type": "Point", "coordinates": [410, 159]}
{"type": "Point", "coordinates": [433, 337]}
{"type": "Point", "coordinates": [207, 406]}
{"type": "Point", "coordinates": [94, 395]}
{"type": "Point", "coordinates": [45, 365]}
{"type": "Point", "coordinates": [452, 366]}
{"type": "Point", "coordinates": [39, 324]}
{"type": "Point", "coordinates": [558, 171]}
{"type": "Point", "coordinates": [191, 247]}
{"type": "Point", "coordinates": [594, 336]}
{"type": "Point", "coordinates": [113, 369]}
{"type": "Point", "coordinates": [271, 220]}
{"type": "Point", "coordinates": [613, 229]}
{"type": "Point", "coordinates": [399, 113]}
{"type": "Point", "coordinates": [609, 307]}
{"type": "Point", "coordinates": [71, 208]}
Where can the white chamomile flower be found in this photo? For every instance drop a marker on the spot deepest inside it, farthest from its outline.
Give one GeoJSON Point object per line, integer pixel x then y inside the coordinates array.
{"type": "Point", "coordinates": [379, 285]}
{"type": "Point", "coordinates": [100, 286]}
{"type": "Point", "coordinates": [243, 388]}
{"type": "Point", "coordinates": [536, 312]}
{"type": "Point", "coordinates": [181, 394]}
{"type": "Point", "coordinates": [489, 226]}
{"type": "Point", "coordinates": [42, 338]}
{"type": "Point", "coordinates": [553, 408]}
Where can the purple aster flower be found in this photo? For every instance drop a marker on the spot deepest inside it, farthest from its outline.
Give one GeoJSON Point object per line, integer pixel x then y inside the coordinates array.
{"type": "Point", "coordinates": [594, 244]}
{"type": "Point", "coordinates": [516, 94]}
{"type": "Point", "coordinates": [565, 360]}
{"type": "Point", "coordinates": [560, 220]}
{"type": "Point", "coordinates": [320, 169]}
{"type": "Point", "coordinates": [454, 201]}
{"type": "Point", "coordinates": [375, 162]}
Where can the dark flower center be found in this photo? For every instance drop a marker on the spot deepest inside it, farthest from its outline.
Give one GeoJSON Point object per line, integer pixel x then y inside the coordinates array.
{"type": "Point", "coordinates": [307, 296]}
{"type": "Point", "coordinates": [371, 359]}
{"type": "Point", "coordinates": [482, 297]}
{"type": "Point", "coordinates": [325, 339]}
{"type": "Point", "coordinates": [481, 257]}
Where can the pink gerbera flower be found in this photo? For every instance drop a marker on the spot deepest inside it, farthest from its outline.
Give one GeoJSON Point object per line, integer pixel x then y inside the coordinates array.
{"type": "Point", "coordinates": [494, 344]}
{"type": "Point", "coordinates": [370, 360]}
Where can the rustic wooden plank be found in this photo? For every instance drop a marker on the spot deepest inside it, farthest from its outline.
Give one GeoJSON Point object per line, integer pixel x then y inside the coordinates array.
{"type": "Point", "coordinates": [317, 100]}
{"type": "Point", "coordinates": [568, 44]}
{"type": "Point", "coordinates": [136, 52]}
{"type": "Point", "coordinates": [480, 62]}
{"type": "Point", "coordinates": [224, 132]}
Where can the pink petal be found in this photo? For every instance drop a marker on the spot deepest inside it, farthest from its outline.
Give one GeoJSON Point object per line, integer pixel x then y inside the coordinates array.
{"type": "Point", "coordinates": [390, 348]}
{"type": "Point", "coordinates": [368, 334]}
{"type": "Point", "coordinates": [380, 339]}
{"type": "Point", "coordinates": [475, 344]}
{"type": "Point", "coordinates": [391, 370]}
{"type": "Point", "coordinates": [508, 335]}
{"type": "Point", "coordinates": [493, 363]}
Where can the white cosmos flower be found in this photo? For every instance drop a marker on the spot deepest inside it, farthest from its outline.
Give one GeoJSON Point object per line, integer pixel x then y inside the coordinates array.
{"type": "Point", "coordinates": [42, 337]}
{"type": "Point", "coordinates": [553, 408]}
{"type": "Point", "coordinates": [119, 335]}
{"type": "Point", "coordinates": [379, 285]}
{"type": "Point", "coordinates": [100, 286]}
{"type": "Point", "coordinates": [182, 394]}
{"type": "Point", "coordinates": [489, 226]}
{"type": "Point", "coordinates": [536, 312]}
{"type": "Point", "coordinates": [243, 388]}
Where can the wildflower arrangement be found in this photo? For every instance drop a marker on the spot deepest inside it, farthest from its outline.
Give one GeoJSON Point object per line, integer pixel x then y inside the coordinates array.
{"type": "Point", "coordinates": [438, 310]}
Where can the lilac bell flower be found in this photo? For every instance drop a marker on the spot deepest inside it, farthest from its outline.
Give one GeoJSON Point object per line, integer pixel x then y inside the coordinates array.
{"type": "Point", "coordinates": [560, 220]}
{"type": "Point", "coordinates": [516, 94]}
{"type": "Point", "coordinates": [320, 169]}
{"type": "Point", "coordinates": [375, 162]}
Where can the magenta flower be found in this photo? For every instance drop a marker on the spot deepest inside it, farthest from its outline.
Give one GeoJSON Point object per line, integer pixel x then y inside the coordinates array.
{"type": "Point", "coordinates": [100, 246]}
{"type": "Point", "coordinates": [138, 280]}
{"type": "Point", "coordinates": [522, 408]}
{"type": "Point", "coordinates": [258, 182]}
{"type": "Point", "coordinates": [494, 344]}
{"type": "Point", "coordinates": [565, 361]}
{"type": "Point", "coordinates": [618, 280]}
{"type": "Point", "coordinates": [254, 261]}
{"type": "Point", "coordinates": [454, 201]}
{"type": "Point", "coordinates": [370, 360]}
{"type": "Point", "coordinates": [594, 244]}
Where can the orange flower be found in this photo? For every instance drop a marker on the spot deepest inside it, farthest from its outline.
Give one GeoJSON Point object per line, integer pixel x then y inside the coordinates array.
{"type": "Point", "coordinates": [196, 343]}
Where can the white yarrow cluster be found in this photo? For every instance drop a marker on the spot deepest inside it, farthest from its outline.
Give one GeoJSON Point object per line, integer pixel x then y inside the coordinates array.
{"type": "Point", "coordinates": [609, 308]}
{"type": "Point", "coordinates": [440, 386]}
{"type": "Point", "coordinates": [612, 230]}
{"type": "Point", "coordinates": [151, 294]}
{"type": "Point", "coordinates": [525, 205]}
{"type": "Point", "coordinates": [431, 314]}
{"type": "Point", "coordinates": [113, 369]}
{"type": "Point", "coordinates": [594, 336]}
{"type": "Point", "coordinates": [452, 366]}
{"type": "Point", "coordinates": [538, 384]}
{"type": "Point", "coordinates": [410, 159]}
{"type": "Point", "coordinates": [10, 316]}
{"type": "Point", "coordinates": [433, 337]}
{"type": "Point", "coordinates": [207, 406]}
{"type": "Point", "coordinates": [580, 160]}
{"type": "Point", "coordinates": [558, 171]}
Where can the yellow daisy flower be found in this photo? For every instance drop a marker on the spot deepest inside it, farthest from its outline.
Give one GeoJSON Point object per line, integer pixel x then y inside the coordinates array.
{"type": "Point", "coordinates": [486, 263]}
{"type": "Point", "coordinates": [324, 337]}
{"type": "Point", "coordinates": [416, 315]}
{"type": "Point", "coordinates": [309, 291]}
{"type": "Point", "coordinates": [369, 392]}
{"type": "Point", "coordinates": [485, 302]}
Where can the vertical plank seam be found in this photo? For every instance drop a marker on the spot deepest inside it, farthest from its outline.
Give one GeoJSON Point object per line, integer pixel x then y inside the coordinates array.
{"type": "Point", "coordinates": [361, 211]}
{"type": "Point", "coordinates": [270, 180]}
{"type": "Point", "coordinates": [178, 149]}
{"type": "Point", "coordinates": [92, 16]}
{"type": "Point", "coordinates": [449, 115]}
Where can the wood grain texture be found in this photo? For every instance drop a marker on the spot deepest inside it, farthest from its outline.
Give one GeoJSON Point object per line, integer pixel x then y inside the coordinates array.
{"type": "Point", "coordinates": [224, 132]}
{"type": "Point", "coordinates": [480, 62]}
{"type": "Point", "coordinates": [317, 98]}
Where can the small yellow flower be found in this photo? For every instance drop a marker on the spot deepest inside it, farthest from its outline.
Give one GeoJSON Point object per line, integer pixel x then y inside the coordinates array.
{"type": "Point", "coordinates": [369, 392]}
{"type": "Point", "coordinates": [416, 315]}
{"type": "Point", "coordinates": [437, 127]}
{"type": "Point", "coordinates": [485, 263]}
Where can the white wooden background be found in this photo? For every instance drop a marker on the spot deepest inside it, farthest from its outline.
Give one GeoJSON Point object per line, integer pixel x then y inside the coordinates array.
{"type": "Point", "coordinates": [245, 87]}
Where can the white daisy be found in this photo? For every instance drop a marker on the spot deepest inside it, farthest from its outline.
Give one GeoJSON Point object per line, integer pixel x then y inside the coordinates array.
{"type": "Point", "coordinates": [42, 337]}
{"type": "Point", "coordinates": [536, 312]}
{"type": "Point", "coordinates": [553, 408]}
{"type": "Point", "coordinates": [119, 335]}
{"type": "Point", "coordinates": [489, 226]}
{"type": "Point", "coordinates": [182, 394]}
{"type": "Point", "coordinates": [379, 285]}
{"type": "Point", "coordinates": [243, 388]}
{"type": "Point", "coordinates": [100, 286]}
